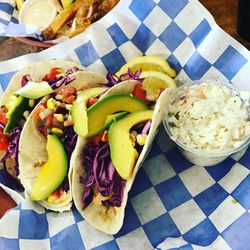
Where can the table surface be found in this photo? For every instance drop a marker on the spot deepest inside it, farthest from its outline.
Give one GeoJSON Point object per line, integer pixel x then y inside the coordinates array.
{"type": "Point", "coordinates": [224, 12]}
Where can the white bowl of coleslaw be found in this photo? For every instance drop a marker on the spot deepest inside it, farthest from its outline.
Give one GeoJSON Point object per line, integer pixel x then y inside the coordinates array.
{"type": "Point", "coordinates": [208, 121]}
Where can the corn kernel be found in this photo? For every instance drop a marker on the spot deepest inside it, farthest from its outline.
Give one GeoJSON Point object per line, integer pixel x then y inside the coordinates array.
{"type": "Point", "coordinates": [62, 197]}
{"type": "Point", "coordinates": [136, 154]}
{"type": "Point", "coordinates": [56, 200]}
{"type": "Point", "coordinates": [11, 102]}
{"type": "Point", "coordinates": [134, 133]}
{"type": "Point", "coordinates": [132, 138]}
{"type": "Point", "coordinates": [31, 103]}
{"type": "Point", "coordinates": [51, 199]}
{"type": "Point", "coordinates": [68, 106]}
{"type": "Point", "coordinates": [58, 103]}
{"type": "Point", "coordinates": [13, 98]}
{"type": "Point", "coordinates": [57, 131]}
{"type": "Point", "coordinates": [59, 117]}
{"type": "Point", "coordinates": [60, 74]}
{"type": "Point", "coordinates": [97, 199]}
{"type": "Point", "coordinates": [8, 106]}
{"type": "Point", "coordinates": [51, 103]}
{"type": "Point", "coordinates": [59, 97]}
{"type": "Point", "coordinates": [117, 209]}
{"type": "Point", "coordinates": [105, 136]}
{"type": "Point", "coordinates": [26, 114]}
{"type": "Point", "coordinates": [68, 123]}
{"type": "Point", "coordinates": [141, 139]}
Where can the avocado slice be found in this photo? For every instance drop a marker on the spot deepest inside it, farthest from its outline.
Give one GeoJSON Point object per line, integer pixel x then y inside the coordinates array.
{"type": "Point", "coordinates": [35, 90]}
{"type": "Point", "coordinates": [53, 171]}
{"type": "Point", "coordinates": [15, 113]}
{"type": "Point", "coordinates": [122, 152]}
{"type": "Point", "coordinates": [79, 109]}
{"type": "Point", "coordinates": [97, 114]}
{"type": "Point", "coordinates": [114, 117]}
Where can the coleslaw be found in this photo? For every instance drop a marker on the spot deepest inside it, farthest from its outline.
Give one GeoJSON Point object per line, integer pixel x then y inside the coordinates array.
{"type": "Point", "coordinates": [209, 117]}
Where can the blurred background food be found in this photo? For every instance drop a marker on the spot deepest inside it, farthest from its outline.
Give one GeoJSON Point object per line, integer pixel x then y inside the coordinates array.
{"type": "Point", "coordinates": [73, 16]}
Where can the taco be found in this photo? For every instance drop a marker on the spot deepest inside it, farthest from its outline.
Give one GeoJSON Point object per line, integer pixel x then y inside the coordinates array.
{"type": "Point", "coordinates": [22, 94]}
{"type": "Point", "coordinates": [48, 140]}
{"type": "Point", "coordinates": [121, 128]}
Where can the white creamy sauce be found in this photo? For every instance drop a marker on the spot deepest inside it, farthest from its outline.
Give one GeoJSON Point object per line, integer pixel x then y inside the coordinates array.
{"type": "Point", "coordinates": [39, 13]}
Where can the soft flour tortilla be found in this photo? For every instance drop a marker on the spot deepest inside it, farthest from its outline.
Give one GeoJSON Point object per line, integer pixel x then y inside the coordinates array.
{"type": "Point", "coordinates": [32, 146]}
{"type": "Point", "coordinates": [37, 71]}
{"type": "Point", "coordinates": [110, 220]}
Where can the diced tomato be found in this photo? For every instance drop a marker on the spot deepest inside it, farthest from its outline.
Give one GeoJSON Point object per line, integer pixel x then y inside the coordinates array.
{"type": "Point", "coordinates": [38, 110]}
{"type": "Point", "coordinates": [52, 75]}
{"type": "Point", "coordinates": [49, 121]}
{"type": "Point", "coordinates": [43, 131]}
{"type": "Point", "coordinates": [140, 93]}
{"type": "Point", "coordinates": [67, 91]}
{"type": "Point", "coordinates": [4, 142]}
{"type": "Point", "coordinates": [161, 90]}
{"type": "Point", "coordinates": [92, 101]}
{"type": "Point", "coordinates": [96, 139]}
{"type": "Point", "coordinates": [3, 119]}
{"type": "Point", "coordinates": [57, 124]}
{"type": "Point", "coordinates": [57, 193]}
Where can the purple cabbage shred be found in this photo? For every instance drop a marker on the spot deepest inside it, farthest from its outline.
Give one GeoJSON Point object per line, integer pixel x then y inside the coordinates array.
{"type": "Point", "coordinates": [12, 152]}
{"type": "Point", "coordinates": [72, 70]}
{"type": "Point", "coordinates": [55, 84]}
{"type": "Point", "coordinates": [25, 80]}
{"type": "Point", "coordinates": [114, 80]}
{"type": "Point", "coordinates": [146, 128]}
{"type": "Point", "coordinates": [13, 148]}
{"type": "Point", "coordinates": [68, 139]}
{"type": "Point", "coordinates": [2, 125]}
{"type": "Point", "coordinates": [10, 181]}
{"type": "Point", "coordinates": [65, 184]}
{"type": "Point", "coordinates": [101, 175]}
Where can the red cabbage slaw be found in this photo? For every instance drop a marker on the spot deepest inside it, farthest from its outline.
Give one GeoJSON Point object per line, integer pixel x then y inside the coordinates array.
{"type": "Point", "coordinates": [57, 83]}
{"type": "Point", "coordinates": [101, 174]}
{"type": "Point", "coordinates": [12, 152]}
{"type": "Point", "coordinates": [114, 80]}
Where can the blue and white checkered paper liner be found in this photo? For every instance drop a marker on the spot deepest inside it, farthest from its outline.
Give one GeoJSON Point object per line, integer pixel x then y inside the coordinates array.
{"type": "Point", "coordinates": [9, 25]}
{"type": "Point", "coordinates": [173, 204]}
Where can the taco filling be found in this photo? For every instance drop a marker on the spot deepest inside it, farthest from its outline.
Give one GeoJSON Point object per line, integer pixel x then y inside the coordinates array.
{"type": "Point", "coordinates": [54, 117]}
{"type": "Point", "coordinates": [113, 148]}
{"type": "Point", "coordinates": [104, 185]}
{"type": "Point", "coordinates": [16, 111]}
